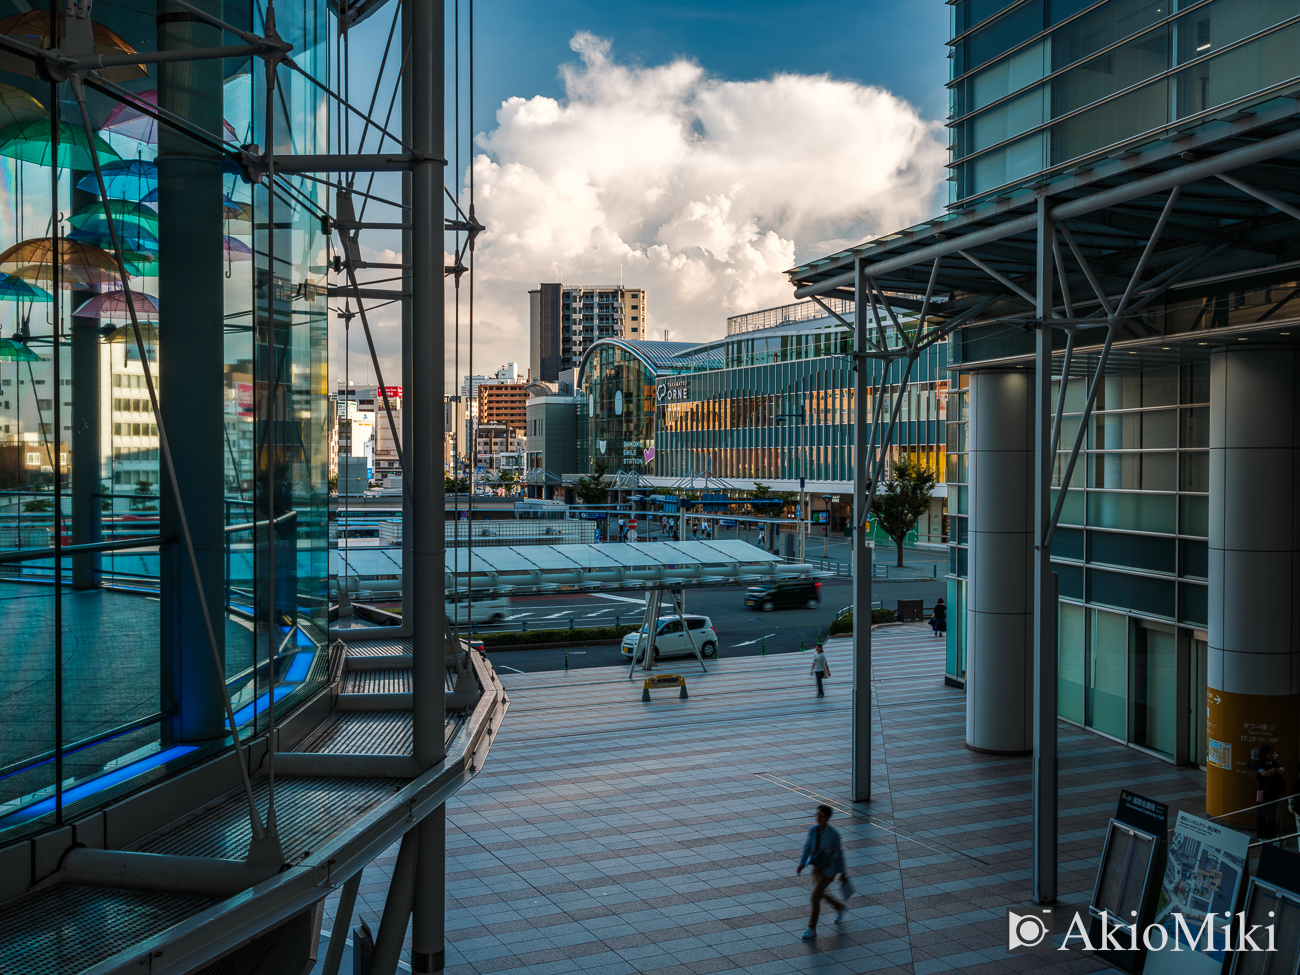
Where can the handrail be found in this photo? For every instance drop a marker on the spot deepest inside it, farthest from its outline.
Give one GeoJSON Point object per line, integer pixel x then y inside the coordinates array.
{"type": "Point", "coordinates": [248, 526]}
{"type": "Point", "coordinates": [35, 761]}
{"type": "Point", "coordinates": [28, 555]}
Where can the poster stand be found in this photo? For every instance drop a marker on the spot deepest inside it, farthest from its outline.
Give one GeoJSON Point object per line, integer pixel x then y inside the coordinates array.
{"type": "Point", "coordinates": [1273, 898]}
{"type": "Point", "coordinates": [1124, 893]}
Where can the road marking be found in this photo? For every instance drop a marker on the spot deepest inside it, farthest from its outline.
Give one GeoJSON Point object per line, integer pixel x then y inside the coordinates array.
{"type": "Point", "coordinates": [518, 615]}
{"type": "Point", "coordinates": [511, 669]}
{"type": "Point", "coordinates": [752, 642]}
{"type": "Point", "coordinates": [599, 612]}
{"type": "Point", "coordinates": [554, 616]}
{"type": "Point", "coordinates": [621, 599]}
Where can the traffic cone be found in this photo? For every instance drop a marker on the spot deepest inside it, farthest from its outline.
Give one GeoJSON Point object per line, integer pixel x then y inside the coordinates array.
{"type": "Point", "coordinates": [683, 696]}
{"type": "Point", "coordinates": [645, 694]}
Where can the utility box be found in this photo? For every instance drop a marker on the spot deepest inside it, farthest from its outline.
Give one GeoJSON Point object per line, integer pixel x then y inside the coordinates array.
{"type": "Point", "coordinates": [789, 546]}
{"type": "Point", "coordinates": [910, 610]}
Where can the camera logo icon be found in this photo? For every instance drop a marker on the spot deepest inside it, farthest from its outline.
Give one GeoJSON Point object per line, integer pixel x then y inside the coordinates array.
{"type": "Point", "coordinates": [1029, 934]}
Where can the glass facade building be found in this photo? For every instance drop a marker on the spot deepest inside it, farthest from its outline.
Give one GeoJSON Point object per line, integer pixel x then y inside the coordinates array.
{"type": "Point", "coordinates": [102, 618]}
{"type": "Point", "coordinates": [1047, 85]}
{"type": "Point", "coordinates": [773, 405]}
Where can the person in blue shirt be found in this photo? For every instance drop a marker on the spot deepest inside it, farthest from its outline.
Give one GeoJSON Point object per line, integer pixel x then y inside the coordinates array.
{"type": "Point", "coordinates": [822, 851]}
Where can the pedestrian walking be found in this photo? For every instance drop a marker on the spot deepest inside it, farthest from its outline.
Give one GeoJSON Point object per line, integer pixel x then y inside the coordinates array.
{"type": "Point", "coordinates": [822, 851]}
{"type": "Point", "coordinates": [939, 618]}
{"type": "Point", "coordinates": [762, 538]}
{"type": "Point", "coordinates": [821, 668]}
{"type": "Point", "coordinates": [1270, 786]}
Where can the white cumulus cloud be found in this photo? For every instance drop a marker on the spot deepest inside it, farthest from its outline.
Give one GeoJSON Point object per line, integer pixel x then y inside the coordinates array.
{"type": "Point", "coordinates": [700, 190]}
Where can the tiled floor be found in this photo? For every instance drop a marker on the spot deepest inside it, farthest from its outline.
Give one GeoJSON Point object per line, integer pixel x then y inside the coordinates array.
{"type": "Point", "coordinates": [609, 836]}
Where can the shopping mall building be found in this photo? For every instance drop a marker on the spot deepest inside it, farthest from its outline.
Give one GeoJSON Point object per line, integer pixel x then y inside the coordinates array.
{"type": "Point", "coordinates": [770, 404]}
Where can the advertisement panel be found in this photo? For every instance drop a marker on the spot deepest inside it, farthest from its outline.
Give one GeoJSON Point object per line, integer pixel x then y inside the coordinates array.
{"type": "Point", "coordinates": [363, 427]}
{"type": "Point", "coordinates": [1204, 876]}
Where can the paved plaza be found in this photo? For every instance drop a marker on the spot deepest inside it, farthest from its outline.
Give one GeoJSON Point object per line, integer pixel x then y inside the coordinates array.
{"type": "Point", "coordinates": [608, 836]}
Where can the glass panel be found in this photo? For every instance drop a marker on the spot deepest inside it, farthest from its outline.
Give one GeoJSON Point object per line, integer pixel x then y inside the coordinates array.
{"type": "Point", "coordinates": [1133, 472]}
{"type": "Point", "coordinates": [1150, 552]}
{"type": "Point", "coordinates": [1008, 164]}
{"type": "Point", "coordinates": [1131, 512]}
{"type": "Point", "coordinates": [1237, 73]}
{"type": "Point", "coordinates": [1008, 120]}
{"type": "Point", "coordinates": [1107, 672]}
{"type": "Point", "coordinates": [1194, 472]}
{"type": "Point", "coordinates": [1072, 510]}
{"type": "Point", "coordinates": [1100, 28]}
{"type": "Point", "coordinates": [1070, 659]}
{"type": "Point", "coordinates": [1152, 687]}
{"type": "Point", "coordinates": [1195, 603]}
{"type": "Point", "coordinates": [1111, 123]}
{"type": "Point", "coordinates": [1125, 66]}
{"type": "Point", "coordinates": [1197, 651]}
{"type": "Point", "coordinates": [1142, 594]}
{"type": "Point", "coordinates": [1023, 22]}
{"type": "Point", "coordinates": [1012, 73]}
{"type": "Point", "coordinates": [1149, 429]}
{"type": "Point", "coordinates": [1194, 515]}
{"type": "Point", "coordinates": [1123, 873]}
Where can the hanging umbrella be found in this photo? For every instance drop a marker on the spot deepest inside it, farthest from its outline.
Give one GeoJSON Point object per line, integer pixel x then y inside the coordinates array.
{"type": "Point", "coordinates": [126, 215]}
{"type": "Point", "coordinates": [112, 304]}
{"type": "Point", "coordinates": [124, 179]}
{"type": "Point", "coordinates": [11, 351]}
{"type": "Point", "coordinates": [237, 250]}
{"type": "Point", "coordinates": [16, 289]}
{"type": "Point", "coordinates": [33, 28]}
{"type": "Point", "coordinates": [133, 241]}
{"type": "Point", "coordinates": [148, 332]}
{"type": "Point", "coordinates": [234, 210]}
{"type": "Point", "coordinates": [30, 142]}
{"type": "Point", "coordinates": [132, 119]}
{"type": "Point", "coordinates": [80, 264]}
{"type": "Point", "coordinates": [16, 107]}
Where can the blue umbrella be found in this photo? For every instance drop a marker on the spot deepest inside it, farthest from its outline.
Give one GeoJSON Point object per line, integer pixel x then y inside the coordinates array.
{"type": "Point", "coordinates": [14, 288]}
{"type": "Point", "coordinates": [124, 179]}
{"type": "Point", "coordinates": [131, 238]}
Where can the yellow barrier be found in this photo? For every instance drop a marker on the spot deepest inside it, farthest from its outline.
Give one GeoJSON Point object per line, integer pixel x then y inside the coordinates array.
{"type": "Point", "coordinates": [664, 680]}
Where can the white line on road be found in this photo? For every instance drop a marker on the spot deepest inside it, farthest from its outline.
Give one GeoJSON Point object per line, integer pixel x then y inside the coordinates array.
{"type": "Point", "coordinates": [511, 669]}
{"type": "Point", "coordinates": [599, 612]}
{"type": "Point", "coordinates": [518, 615]}
{"type": "Point", "coordinates": [554, 616]}
{"type": "Point", "coordinates": [621, 599]}
{"type": "Point", "coordinates": [752, 642]}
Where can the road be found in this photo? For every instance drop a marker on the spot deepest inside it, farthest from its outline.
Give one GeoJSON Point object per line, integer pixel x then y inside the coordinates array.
{"type": "Point", "coordinates": [741, 631]}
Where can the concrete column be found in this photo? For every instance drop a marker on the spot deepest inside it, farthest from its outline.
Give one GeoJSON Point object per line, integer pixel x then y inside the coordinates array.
{"type": "Point", "coordinates": [1253, 665]}
{"type": "Point", "coordinates": [1000, 592]}
{"type": "Point", "coordinates": [189, 374]}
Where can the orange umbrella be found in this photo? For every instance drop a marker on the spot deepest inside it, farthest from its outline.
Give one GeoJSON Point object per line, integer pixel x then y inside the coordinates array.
{"type": "Point", "coordinates": [80, 264]}
{"type": "Point", "coordinates": [17, 107]}
{"type": "Point", "coordinates": [33, 27]}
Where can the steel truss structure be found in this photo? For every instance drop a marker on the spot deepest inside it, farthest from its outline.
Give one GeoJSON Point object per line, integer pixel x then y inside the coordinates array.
{"type": "Point", "coordinates": [264, 892]}
{"type": "Point", "coordinates": [1073, 262]}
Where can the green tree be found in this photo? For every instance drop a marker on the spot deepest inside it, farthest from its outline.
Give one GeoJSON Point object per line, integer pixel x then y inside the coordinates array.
{"type": "Point", "coordinates": [334, 484]}
{"type": "Point", "coordinates": [454, 485]}
{"type": "Point", "coordinates": [902, 499]}
{"type": "Point", "coordinates": [508, 479]}
{"type": "Point", "coordinates": [38, 506]}
{"type": "Point", "coordinates": [591, 488]}
{"type": "Point", "coordinates": [143, 493]}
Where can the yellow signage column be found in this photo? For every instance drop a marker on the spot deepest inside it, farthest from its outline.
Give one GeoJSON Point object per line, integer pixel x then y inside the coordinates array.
{"type": "Point", "coordinates": [1253, 672]}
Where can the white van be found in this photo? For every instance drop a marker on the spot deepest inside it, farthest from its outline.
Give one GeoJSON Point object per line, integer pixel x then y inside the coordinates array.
{"type": "Point", "coordinates": [484, 609]}
{"type": "Point", "coordinates": [673, 641]}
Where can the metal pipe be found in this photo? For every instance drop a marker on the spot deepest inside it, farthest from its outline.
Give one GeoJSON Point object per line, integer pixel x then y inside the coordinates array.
{"type": "Point", "coordinates": [162, 872]}
{"type": "Point", "coordinates": [364, 163]}
{"type": "Point", "coordinates": [397, 909]}
{"type": "Point", "coordinates": [861, 761]}
{"type": "Point", "coordinates": [28, 555]}
{"type": "Point", "coordinates": [1045, 663]}
{"type": "Point", "coordinates": [427, 910]}
{"type": "Point", "coordinates": [1148, 250]}
{"type": "Point", "coordinates": [342, 922]}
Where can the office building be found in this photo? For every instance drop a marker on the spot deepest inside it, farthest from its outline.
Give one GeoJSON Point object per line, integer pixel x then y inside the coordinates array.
{"type": "Point", "coordinates": [565, 320]}
{"type": "Point", "coordinates": [504, 401]}
{"type": "Point", "coordinates": [1121, 241]}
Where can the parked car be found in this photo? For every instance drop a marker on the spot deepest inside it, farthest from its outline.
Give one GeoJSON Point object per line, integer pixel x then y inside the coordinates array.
{"type": "Point", "coordinates": [671, 640]}
{"type": "Point", "coordinates": [784, 594]}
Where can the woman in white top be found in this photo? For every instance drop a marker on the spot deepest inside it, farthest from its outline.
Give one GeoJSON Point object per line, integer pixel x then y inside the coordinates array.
{"type": "Point", "coordinates": [820, 668]}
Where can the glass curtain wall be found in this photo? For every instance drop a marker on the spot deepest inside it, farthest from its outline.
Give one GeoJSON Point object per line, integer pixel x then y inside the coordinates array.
{"type": "Point", "coordinates": [1051, 81]}
{"type": "Point", "coordinates": [234, 306]}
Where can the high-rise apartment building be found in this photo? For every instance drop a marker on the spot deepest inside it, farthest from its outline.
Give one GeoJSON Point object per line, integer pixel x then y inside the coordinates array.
{"type": "Point", "coordinates": [503, 402]}
{"type": "Point", "coordinates": [565, 319]}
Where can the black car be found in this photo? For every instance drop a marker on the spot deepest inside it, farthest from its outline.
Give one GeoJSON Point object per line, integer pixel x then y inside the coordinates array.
{"type": "Point", "coordinates": [784, 595]}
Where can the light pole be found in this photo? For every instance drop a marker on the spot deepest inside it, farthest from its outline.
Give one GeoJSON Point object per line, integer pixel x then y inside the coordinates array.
{"type": "Point", "coordinates": [826, 532]}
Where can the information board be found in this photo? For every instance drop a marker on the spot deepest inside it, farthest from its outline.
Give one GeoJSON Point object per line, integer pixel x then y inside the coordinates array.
{"type": "Point", "coordinates": [1204, 877]}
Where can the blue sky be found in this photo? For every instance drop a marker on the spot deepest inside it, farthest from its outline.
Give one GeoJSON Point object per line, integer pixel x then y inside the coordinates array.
{"type": "Point", "coordinates": [895, 44]}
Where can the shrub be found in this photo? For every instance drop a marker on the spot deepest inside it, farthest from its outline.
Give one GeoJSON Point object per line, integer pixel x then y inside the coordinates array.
{"type": "Point", "coordinates": [844, 623]}
{"type": "Point", "coordinates": [592, 634]}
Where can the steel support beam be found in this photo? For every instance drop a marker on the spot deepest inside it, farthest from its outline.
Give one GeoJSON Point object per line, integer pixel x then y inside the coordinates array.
{"type": "Point", "coordinates": [861, 785]}
{"type": "Point", "coordinates": [1044, 716]}
{"type": "Point", "coordinates": [342, 922]}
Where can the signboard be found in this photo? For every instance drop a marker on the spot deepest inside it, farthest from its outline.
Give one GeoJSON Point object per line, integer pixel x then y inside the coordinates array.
{"type": "Point", "coordinates": [1127, 876]}
{"type": "Point", "coordinates": [1204, 877]}
{"type": "Point", "coordinates": [363, 427]}
{"type": "Point", "coordinates": [1272, 909]}
{"type": "Point", "coordinates": [244, 397]}
{"type": "Point", "coordinates": [392, 392]}
{"type": "Point", "coordinates": [664, 680]}
{"type": "Point", "coordinates": [674, 389]}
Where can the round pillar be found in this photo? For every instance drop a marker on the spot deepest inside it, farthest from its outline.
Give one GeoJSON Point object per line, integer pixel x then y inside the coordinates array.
{"type": "Point", "coordinates": [1000, 590]}
{"type": "Point", "coordinates": [1253, 659]}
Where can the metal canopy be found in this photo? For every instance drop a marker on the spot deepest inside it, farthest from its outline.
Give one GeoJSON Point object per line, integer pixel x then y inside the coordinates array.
{"type": "Point", "coordinates": [1235, 216]}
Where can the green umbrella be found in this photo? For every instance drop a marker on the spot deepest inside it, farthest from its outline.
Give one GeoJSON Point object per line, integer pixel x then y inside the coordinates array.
{"type": "Point", "coordinates": [11, 351]}
{"type": "Point", "coordinates": [30, 142]}
{"type": "Point", "coordinates": [126, 215]}
{"type": "Point", "coordinates": [13, 288]}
